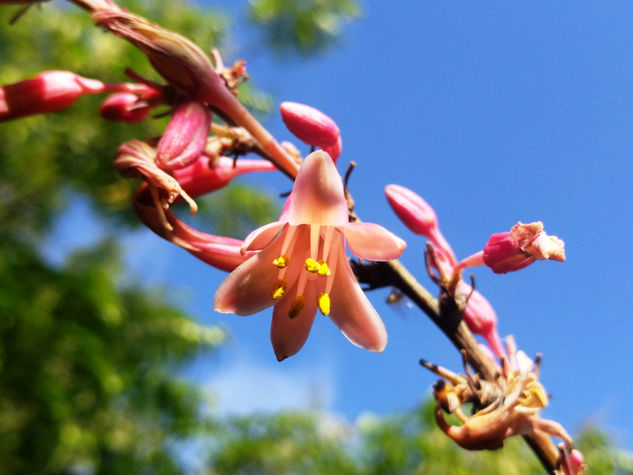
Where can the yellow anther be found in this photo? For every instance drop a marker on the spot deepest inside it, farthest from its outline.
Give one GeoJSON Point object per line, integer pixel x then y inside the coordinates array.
{"type": "Point", "coordinates": [282, 261]}
{"type": "Point", "coordinates": [296, 306]}
{"type": "Point", "coordinates": [312, 265]}
{"type": "Point", "coordinates": [279, 289]}
{"type": "Point", "coordinates": [323, 302]}
{"type": "Point", "coordinates": [539, 391]}
{"type": "Point", "coordinates": [324, 270]}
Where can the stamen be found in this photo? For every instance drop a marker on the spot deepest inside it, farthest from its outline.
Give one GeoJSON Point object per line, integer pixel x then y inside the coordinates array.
{"type": "Point", "coordinates": [159, 207]}
{"type": "Point", "coordinates": [279, 289]}
{"type": "Point", "coordinates": [327, 241]}
{"type": "Point", "coordinates": [323, 302]}
{"type": "Point", "coordinates": [296, 306]}
{"type": "Point", "coordinates": [312, 266]}
{"type": "Point", "coordinates": [324, 270]}
{"type": "Point", "coordinates": [330, 277]}
{"type": "Point", "coordinates": [286, 248]}
{"type": "Point", "coordinates": [314, 239]}
{"type": "Point", "coordinates": [282, 261]}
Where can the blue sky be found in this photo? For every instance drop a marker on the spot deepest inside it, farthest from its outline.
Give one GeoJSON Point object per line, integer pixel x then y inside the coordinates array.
{"type": "Point", "coordinates": [494, 112]}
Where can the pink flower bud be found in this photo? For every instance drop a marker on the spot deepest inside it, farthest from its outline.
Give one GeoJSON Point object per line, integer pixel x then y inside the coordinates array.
{"type": "Point", "coordinates": [525, 243]}
{"type": "Point", "coordinates": [50, 91]}
{"type": "Point", "coordinates": [201, 177]}
{"type": "Point", "coordinates": [418, 216]}
{"type": "Point", "coordinates": [481, 319]}
{"type": "Point", "coordinates": [335, 150]}
{"type": "Point", "coordinates": [186, 135]}
{"type": "Point", "coordinates": [577, 459]}
{"type": "Point", "coordinates": [309, 124]}
{"type": "Point", "coordinates": [123, 107]}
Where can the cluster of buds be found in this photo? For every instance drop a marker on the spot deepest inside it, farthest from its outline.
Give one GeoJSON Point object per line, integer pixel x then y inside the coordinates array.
{"type": "Point", "coordinates": [421, 219]}
{"type": "Point", "coordinates": [54, 91]}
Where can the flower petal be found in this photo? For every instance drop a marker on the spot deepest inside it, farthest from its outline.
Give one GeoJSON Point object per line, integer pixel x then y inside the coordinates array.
{"type": "Point", "coordinates": [317, 196]}
{"type": "Point", "coordinates": [288, 335]}
{"type": "Point", "coordinates": [352, 312]}
{"type": "Point", "coordinates": [262, 236]}
{"type": "Point", "coordinates": [248, 288]}
{"type": "Point", "coordinates": [372, 241]}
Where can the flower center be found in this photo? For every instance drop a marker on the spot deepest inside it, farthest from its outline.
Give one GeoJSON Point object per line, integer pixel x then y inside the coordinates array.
{"type": "Point", "coordinates": [313, 271]}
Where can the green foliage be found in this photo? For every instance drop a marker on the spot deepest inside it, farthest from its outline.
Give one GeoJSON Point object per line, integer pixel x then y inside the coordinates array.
{"type": "Point", "coordinates": [312, 442]}
{"type": "Point", "coordinates": [306, 26]}
{"type": "Point", "coordinates": [234, 210]}
{"type": "Point", "coordinates": [292, 442]}
{"type": "Point", "coordinates": [88, 366]}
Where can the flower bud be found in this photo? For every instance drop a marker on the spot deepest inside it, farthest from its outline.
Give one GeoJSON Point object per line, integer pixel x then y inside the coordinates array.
{"type": "Point", "coordinates": [520, 247]}
{"type": "Point", "coordinates": [123, 107]}
{"type": "Point", "coordinates": [577, 460]}
{"type": "Point", "coordinates": [51, 91]}
{"type": "Point", "coordinates": [418, 216]}
{"type": "Point", "coordinates": [309, 124]}
{"type": "Point", "coordinates": [174, 57]}
{"type": "Point", "coordinates": [481, 319]}
{"type": "Point", "coordinates": [200, 177]}
{"type": "Point", "coordinates": [186, 135]}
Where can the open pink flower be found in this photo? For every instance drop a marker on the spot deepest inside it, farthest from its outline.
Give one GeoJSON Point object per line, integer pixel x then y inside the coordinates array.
{"type": "Point", "coordinates": [303, 266]}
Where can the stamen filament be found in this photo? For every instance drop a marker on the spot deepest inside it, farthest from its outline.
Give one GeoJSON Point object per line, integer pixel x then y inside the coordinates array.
{"type": "Point", "coordinates": [327, 241]}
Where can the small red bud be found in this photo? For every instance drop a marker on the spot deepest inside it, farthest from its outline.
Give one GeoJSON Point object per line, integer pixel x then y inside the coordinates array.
{"type": "Point", "coordinates": [309, 124]}
{"type": "Point", "coordinates": [122, 107]}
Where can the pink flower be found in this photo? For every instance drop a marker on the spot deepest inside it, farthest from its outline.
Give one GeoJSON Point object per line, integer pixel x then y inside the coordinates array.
{"type": "Point", "coordinates": [309, 125]}
{"type": "Point", "coordinates": [518, 248]}
{"type": "Point", "coordinates": [303, 266]}
{"type": "Point", "coordinates": [186, 135]}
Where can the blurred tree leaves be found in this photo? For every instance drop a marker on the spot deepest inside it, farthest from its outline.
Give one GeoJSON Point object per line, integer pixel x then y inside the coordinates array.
{"type": "Point", "coordinates": [88, 367]}
{"type": "Point", "coordinates": [305, 26]}
{"type": "Point", "coordinates": [315, 442]}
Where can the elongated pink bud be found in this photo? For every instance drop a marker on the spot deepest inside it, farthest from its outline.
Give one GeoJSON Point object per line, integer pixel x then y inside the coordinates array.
{"type": "Point", "coordinates": [201, 177]}
{"type": "Point", "coordinates": [50, 91]}
{"type": "Point", "coordinates": [123, 107]}
{"type": "Point", "coordinates": [481, 319]}
{"type": "Point", "coordinates": [309, 124]}
{"type": "Point", "coordinates": [418, 216]}
{"type": "Point", "coordinates": [186, 135]}
{"type": "Point", "coordinates": [520, 247]}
